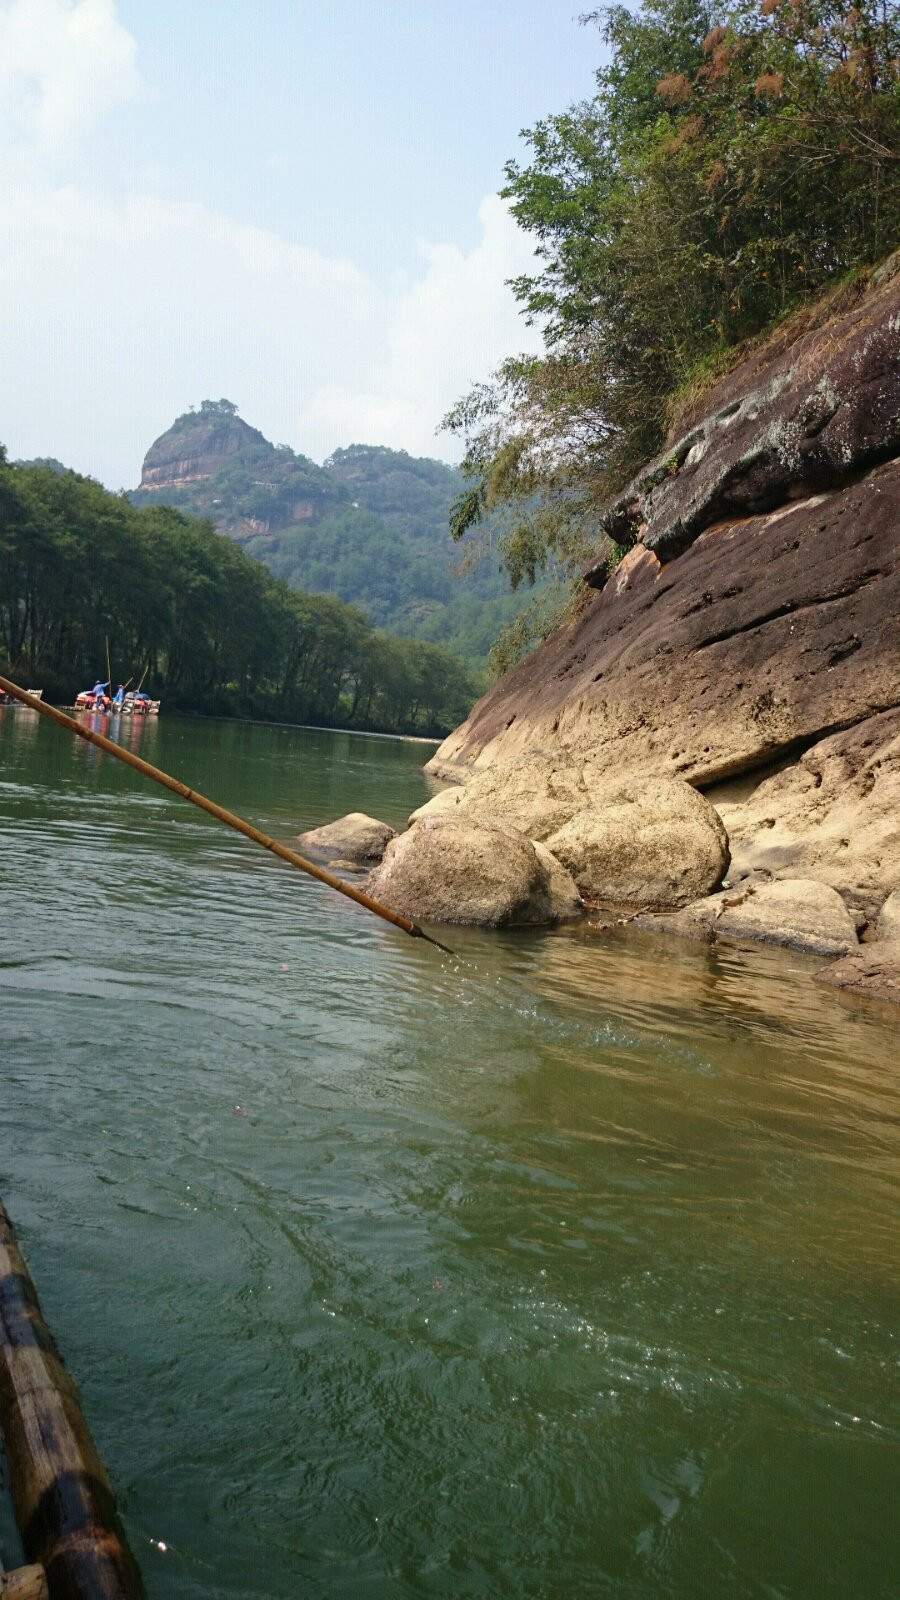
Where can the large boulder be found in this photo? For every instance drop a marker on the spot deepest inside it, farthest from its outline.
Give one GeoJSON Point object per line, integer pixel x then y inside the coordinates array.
{"type": "Point", "coordinates": [355, 838]}
{"type": "Point", "coordinates": [535, 794]}
{"type": "Point", "coordinates": [652, 842]}
{"type": "Point", "coordinates": [799, 912]}
{"type": "Point", "coordinates": [451, 869]}
{"type": "Point", "coordinates": [873, 971]}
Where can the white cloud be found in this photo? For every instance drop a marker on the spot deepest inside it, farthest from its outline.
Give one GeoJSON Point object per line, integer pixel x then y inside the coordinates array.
{"type": "Point", "coordinates": [117, 315]}
{"type": "Point", "coordinates": [63, 65]}
{"type": "Point", "coordinates": [436, 336]}
{"type": "Point", "coordinates": [118, 312]}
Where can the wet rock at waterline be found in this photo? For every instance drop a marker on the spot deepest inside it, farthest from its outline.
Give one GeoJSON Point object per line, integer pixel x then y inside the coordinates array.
{"type": "Point", "coordinates": [652, 842]}
{"type": "Point", "coordinates": [872, 971]}
{"type": "Point", "coordinates": [801, 913]}
{"type": "Point", "coordinates": [449, 869]}
{"type": "Point", "coordinates": [354, 838]}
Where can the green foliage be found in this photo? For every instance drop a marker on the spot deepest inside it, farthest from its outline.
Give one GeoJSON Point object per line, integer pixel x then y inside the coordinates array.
{"type": "Point", "coordinates": [218, 408]}
{"type": "Point", "coordinates": [735, 159]}
{"type": "Point", "coordinates": [216, 631]}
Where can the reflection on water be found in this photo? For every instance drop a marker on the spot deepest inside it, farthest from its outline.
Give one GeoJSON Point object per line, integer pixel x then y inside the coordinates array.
{"type": "Point", "coordinates": [561, 1267]}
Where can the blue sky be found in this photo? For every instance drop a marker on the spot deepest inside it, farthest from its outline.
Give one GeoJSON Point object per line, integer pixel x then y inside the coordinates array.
{"type": "Point", "coordinates": [287, 202]}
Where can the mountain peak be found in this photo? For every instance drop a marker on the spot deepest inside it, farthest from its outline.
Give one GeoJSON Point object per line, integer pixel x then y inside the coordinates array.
{"type": "Point", "coordinates": [199, 443]}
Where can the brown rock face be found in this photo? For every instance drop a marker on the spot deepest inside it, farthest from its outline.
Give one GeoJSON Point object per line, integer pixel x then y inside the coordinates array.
{"type": "Point", "coordinates": [765, 635]}
{"type": "Point", "coordinates": [198, 449]}
{"type": "Point", "coordinates": [755, 621]}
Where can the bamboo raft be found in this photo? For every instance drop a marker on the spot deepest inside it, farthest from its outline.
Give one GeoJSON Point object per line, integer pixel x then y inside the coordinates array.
{"type": "Point", "coordinates": [64, 1505]}
{"type": "Point", "coordinates": [26, 1583]}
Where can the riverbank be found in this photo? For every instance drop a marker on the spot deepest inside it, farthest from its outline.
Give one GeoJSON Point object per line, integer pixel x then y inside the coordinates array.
{"type": "Point", "coordinates": [713, 738]}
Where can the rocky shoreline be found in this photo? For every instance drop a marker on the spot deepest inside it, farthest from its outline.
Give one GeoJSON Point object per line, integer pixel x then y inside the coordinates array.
{"type": "Point", "coordinates": [711, 747]}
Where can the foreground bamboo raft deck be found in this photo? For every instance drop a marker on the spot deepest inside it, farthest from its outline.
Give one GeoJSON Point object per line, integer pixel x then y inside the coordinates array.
{"type": "Point", "coordinates": [61, 1496]}
{"type": "Point", "coordinates": [26, 1583]}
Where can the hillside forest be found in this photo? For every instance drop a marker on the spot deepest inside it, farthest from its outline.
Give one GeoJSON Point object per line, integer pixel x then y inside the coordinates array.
{"type": "Point", "coordinates": [213, 630]}
{"type": "Point", "coordinates": [370, 525]}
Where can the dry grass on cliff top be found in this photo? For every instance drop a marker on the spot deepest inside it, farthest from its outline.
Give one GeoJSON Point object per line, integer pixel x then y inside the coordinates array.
{"type": "Point", "coordinates": [696, 396]}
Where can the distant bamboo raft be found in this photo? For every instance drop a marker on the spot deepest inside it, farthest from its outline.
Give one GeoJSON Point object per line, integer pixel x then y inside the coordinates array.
{"type": "Point", "coordinates": [61, 1496]}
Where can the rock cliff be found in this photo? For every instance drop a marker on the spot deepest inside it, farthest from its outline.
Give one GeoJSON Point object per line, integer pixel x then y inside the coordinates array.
{"type": "Point", "coordinates": [212, 463]}
{"type": "Point", "coordinates": [752, 629]}
{"type": "Point", "coordinates": [197, 446]}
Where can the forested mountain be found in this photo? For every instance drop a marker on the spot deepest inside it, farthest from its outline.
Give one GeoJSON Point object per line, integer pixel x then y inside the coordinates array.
{"type": "Point", "coordinates": [81, 569]}
{"type": "Point", "coordinates": [370, 526]}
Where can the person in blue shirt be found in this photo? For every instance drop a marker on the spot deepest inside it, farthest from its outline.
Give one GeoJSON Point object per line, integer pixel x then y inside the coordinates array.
{"type": "Point", "coordinates": [119, 696]}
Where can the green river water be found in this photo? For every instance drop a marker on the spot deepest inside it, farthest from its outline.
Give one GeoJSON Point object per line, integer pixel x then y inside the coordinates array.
{"type": "Point", "coordinates": [564, 1267]}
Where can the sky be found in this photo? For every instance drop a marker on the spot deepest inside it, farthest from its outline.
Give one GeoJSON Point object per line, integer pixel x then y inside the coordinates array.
{"type": "Point", "coordinates": [291, 204]}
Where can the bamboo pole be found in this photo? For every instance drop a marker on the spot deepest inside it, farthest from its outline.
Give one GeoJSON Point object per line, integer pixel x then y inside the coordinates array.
{"type": "Point", "coordinates": [220, 813]}
{"type": "Point", "coordinates": [61, 1495]}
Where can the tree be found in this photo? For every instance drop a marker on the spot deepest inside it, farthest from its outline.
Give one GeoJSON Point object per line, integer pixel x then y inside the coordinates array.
{"type": "Point", "coordinates": [218, 408]}
{"type": "Point", "coordinates": [734, 160]}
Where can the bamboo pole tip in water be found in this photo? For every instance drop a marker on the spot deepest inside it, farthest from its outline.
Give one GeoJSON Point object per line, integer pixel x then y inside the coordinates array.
{"type": "Point", "coordinates": [25, 1583]}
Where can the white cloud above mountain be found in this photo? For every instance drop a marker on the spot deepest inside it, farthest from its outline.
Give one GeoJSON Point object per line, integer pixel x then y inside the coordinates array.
{"type": "Point", "coordinates": [118, 310]}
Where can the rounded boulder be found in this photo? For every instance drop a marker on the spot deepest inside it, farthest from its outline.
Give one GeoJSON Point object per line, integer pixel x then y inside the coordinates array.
{"type": "Point", "coordinates": [653, 842]}
{"type": "Point", "coordinates": [453, 869]}
{"type": "Point", "coordinates": [355, 838]}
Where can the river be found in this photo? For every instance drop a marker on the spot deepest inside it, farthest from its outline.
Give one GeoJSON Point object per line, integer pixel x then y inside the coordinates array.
{"type": "Point", "coordinates": [564, 1267]}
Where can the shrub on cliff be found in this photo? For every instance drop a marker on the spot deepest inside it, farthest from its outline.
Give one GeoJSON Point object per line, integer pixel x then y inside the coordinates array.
{"type": "Point", "coordinates": [734, 160]}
